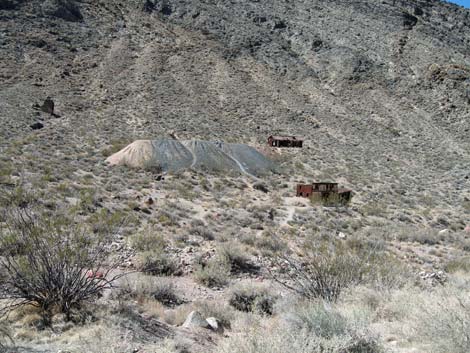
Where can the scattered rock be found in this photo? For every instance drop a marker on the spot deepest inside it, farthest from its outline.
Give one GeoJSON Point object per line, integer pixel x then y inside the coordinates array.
{"type": "Point", "coordinates": [36, 126]}
{"type": "Point", "coordinates": [261, 187]}
{"type": "Point", "coordinates": [215, 325]}
{"type": "Point", "coordinates": [196, 320]}
{"type": "Point", "coordinates": [433, 278]}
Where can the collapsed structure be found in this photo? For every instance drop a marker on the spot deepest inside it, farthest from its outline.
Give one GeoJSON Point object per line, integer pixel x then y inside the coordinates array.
{"type": "Point", "coordinates": [324, 191]}
{"type": "Point", "coordinates": [285, 141]}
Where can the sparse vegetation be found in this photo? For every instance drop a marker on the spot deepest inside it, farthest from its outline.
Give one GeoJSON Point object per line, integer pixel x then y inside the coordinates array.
{"type": "Point", "coordinates": [214, 273]}
{"type": "Point", "coordinates": [252, 299]}
{"type": "Point", "coordinates": [52, 263]}
{"type": "Point", "coordinates": [158, 263]}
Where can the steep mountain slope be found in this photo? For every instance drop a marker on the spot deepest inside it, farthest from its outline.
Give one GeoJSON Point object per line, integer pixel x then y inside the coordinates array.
{"type": "Point", "coordinates": [380, 90]}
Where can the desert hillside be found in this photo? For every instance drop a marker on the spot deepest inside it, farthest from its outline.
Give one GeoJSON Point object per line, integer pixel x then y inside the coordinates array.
{"type": "Point", "coordinates": [378, 90]}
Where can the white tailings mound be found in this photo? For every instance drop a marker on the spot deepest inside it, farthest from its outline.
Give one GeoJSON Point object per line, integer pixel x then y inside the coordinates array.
{"type": "Point", "coordinates": [212, 157]}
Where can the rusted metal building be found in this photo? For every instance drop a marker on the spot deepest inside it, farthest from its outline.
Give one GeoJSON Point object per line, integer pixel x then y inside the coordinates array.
{"type": "Point", "coordinates": [285, 141]}
{"type": "Point", "coordinates": [324, 191]}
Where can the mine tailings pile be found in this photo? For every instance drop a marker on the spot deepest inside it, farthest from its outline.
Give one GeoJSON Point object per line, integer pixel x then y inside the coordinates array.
{"type": "Point", "coordinates": [168, 155]}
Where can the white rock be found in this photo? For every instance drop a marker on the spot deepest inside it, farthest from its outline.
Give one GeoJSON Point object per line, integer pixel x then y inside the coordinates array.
{"type": "Point", "coordinates": [215, 324]}
{"type": "Point", "coordinates": [195, 319]}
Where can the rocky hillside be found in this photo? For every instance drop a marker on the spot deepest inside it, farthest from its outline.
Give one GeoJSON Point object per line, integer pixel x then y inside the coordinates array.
{"type": "Point", "coordinates": [380, 90]}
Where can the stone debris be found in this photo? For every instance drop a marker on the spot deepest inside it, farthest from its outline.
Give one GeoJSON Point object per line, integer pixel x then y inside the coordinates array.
{"type": "Point", "coordinates": [433, 278]}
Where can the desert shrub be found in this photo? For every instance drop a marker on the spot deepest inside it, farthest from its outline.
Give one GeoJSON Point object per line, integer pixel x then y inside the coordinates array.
{"type": "Point", "coordinates": [5, 337]}
{"type": "Point", "coordinates": [51, 262]}
{"type": "Point", "coordinates": [329, 267]}
{"type": "Point", "coordinates": [315, 330]}
{"type": "Point", "coordinates": [458, 264]}
{"type": "Point", "coordinates": [158, 263]}
{"type": "Point", "coordinates": [443, 323]}
{"type": "Point", "coordinates": [250, 298]}
{"type": "Point", "coordinates": [234, 255]}
{"type": "Point", "coordinates": [203, 232]}
{"type": "Point", "coordinates": [145, 287]}
{"type": "Point", "coordinates": [421, 236]}
{"type": "Point", "coordinates": [270, 244]}
{"type": "Point", "coordinates": [147, 240]}
{"type": "Point", "coordinates": [214, 273]}
{"type": "Point", "coordinates": [322, 275]}
{"type": "Point", "coordinates": [319, 320]}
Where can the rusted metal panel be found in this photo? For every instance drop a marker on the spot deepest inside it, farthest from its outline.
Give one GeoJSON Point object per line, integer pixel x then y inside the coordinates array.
{"type": "Point", "coordinates": [304, 190]}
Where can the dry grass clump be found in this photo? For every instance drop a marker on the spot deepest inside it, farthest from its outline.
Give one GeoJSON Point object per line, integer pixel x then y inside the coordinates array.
{"type": "Point", "coordinates": [234, 255]}
{"type": "Point", "coordinates": [442, 322]}
{"type": "Point", "coordinates": [312, 328]}
{"type": "Point", "coordinates": [250, 298]}
{"type": "Point", "coordinates": [5, 336]}
{"type": "Point", "coordinates": [213, 273]}
{"type": "Point", "coordinates": [230, 259]}
{"type": "Point", "coordinates": [458, 264]}
{"type": "Point", "coordinates": [147, 240]}
{"type": "Point", "coordinates": [158, 263]}
{"type": "Point", "coordinates": [141, 287]}
{"type": "Point", "coordinates": [203, 232]}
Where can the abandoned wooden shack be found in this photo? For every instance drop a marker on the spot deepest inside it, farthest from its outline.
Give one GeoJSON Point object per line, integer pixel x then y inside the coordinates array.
{"type": "Point", "coordinates": [324, 191]}
{"type": "Point", "coordinates": [285, 141]}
